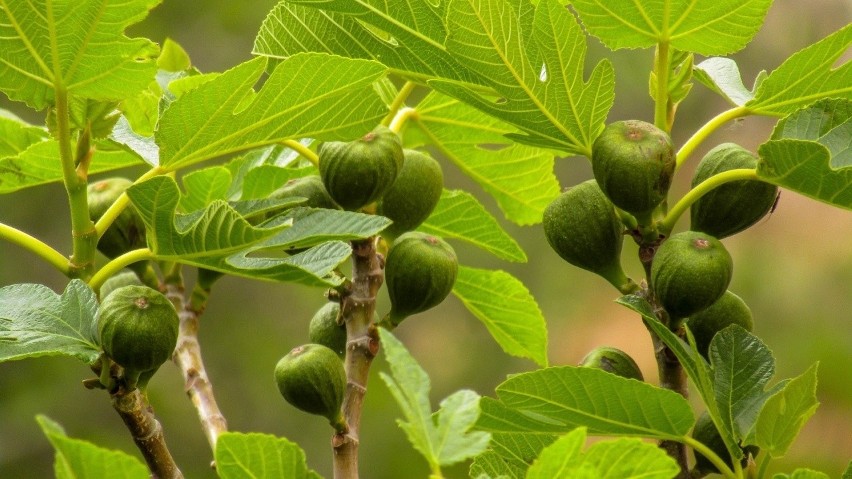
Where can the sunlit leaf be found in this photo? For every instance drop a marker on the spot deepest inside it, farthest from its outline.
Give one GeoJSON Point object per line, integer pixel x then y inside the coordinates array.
{"type": "Point", "coordinates": [785, 413]}
{"type": "Point", "coordinates": [722, 75]}
{"type": "Point", "coordinates": [261, 456]}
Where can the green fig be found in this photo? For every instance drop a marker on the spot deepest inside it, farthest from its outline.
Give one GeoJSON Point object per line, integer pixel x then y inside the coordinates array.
{"type": "Point", "coordinates": [727, 310]}
{"type": "Point", "coordinates": [138, 329]}
{"type": "Point", "coordinates": [731, 207]}
{"type": "Point", "coordinates": [420, 271]}
{"type": "Point", "coordinates": [311, 377]}
{"type": "Point", "coordinates": [309, 187]}
{"type": "Point", "coordinates": [581, 225]}
{"type": "Point", "coordinates": [359, 172]}
{"type": "Point", "coordinates": [706, 433]}
{"type": "Point", "coordinates": [613, 360]}
{"type": "Point", "coordinates": [633, 162]}
{"type": "Point", "coordinates": [413, 195]}
{"type": "Point", "coordinates": [125, 277]}
{"type": "Point", "coordinates": [690, 271]}
{"type": "Point", "coordinates": [326, 330]}
{"type": "Point", "coordinates": [127, 232]}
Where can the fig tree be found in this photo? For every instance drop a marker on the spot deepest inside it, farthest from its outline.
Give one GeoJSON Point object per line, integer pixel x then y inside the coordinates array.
{"type": "Point", "coordinates": [359, 172]}
{"type": "Point", "coordinates": [612, 360]}
{"type": "Point", "coordinates": [138, 329]}
{"type": "Point", "coordinates": [633, 162]}
{"type": "Point", "coordinates": [127, 232]}
{"type": "Point", "coordinates": [731, 207]}
{"type": "Point", "coordinates": [690, 271]}
{"type": "Point", "coordinates": [420, 271]}
{"type": "Point", "coordinates": [706, 433]}
{"type": "Point", "coordinates": [311, 377]}
{"type": "Point", "coordinates": [727, 310]}
{"type": "Point", "coordinates": [413, 195]}
{"type": "Point", "coordinates": [581, 225]}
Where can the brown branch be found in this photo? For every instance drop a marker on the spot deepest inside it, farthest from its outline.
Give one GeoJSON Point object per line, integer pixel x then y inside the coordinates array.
{"type": "Point", "coordinates": [138, 416]}
{"type": "Point", "coordinates": [358, 305]}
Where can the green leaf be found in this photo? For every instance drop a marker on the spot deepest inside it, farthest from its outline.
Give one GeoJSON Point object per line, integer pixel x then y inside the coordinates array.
{"type": "Point", "coordinates": [76, 46]}
{"type": "Point", "coordinates": [261, 456]}
{"type": "Point", "coordinates": [76, 458]}
{"type": "Point", "coordinates": [443, 438]}
{"type": "Point", "coordinates": [312, 226]}
{"type": "Point", "coordinates": [255, 167]}
{"type": "Point", "coordinates": [811, 153]}
{"type": "Point", "coordinates": [785, 413]}
{"type": "Point", "coordinates": [173, 58]}
{"type": "Point", "coordinates": [511, 454]}
{"type": "Point", "coordinates": [708, 27]}
{"type": "Point", "coordinates": [742, 367]}
{"type": "Point", "coordinates": [204, 186]}
{"type": "Point", "coordinates": [17, 135]}
{"type": "Point", "coordinates": [262, 181]}
{"type": "Point", "coordinates": [408, 37]}
{"type": "Point", "coordinates": [490, 465]}
{"type": "Point", "coordinates": [519, 177]}
{"type": "Point", "coordinates": [557, 399]}
{"type": "Point", "coordinates": [807, 76]}
{"type": "Point", "coordinates": [622, 458]}
{"type": "Point", "coordinates": [459, 215]}
{"type": "Point", "coordinates": [35, 321]}
{"type": "Point", "coordinates": [552, 104]}
{"type": "Point", "coordinates": [308, 95]}
{"type": "Point", "coordinates": [722, 75]}
{"type": "Point", "coordinates": [39, 164]}
{"type": "Point", "coordinates": [847, 474]}
{"type": "Point", "coordinates": [219, 238]}
{"type": "Point", "coordinates": [507, 309]}
{"type": "Point", "coordinates": [803, 474]}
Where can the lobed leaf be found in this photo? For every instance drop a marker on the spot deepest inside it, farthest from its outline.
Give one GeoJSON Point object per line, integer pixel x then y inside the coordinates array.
{"type": "Point", "coordinates": [511, 454]}
{"type": "Point", "coordinates": [76, 458]}
{"type": "Point", "coordinates": [35, 321]}
{"type": "Point", "coordinates": [459, 215]}
{"type": "Point", "coordinates": [241, 455]}
{"type": "Point", "coordinates": [308, 95]}
{"type": "Point", "coordinates": [79, 47]}
{"type": "Point", "coordinates": [537, 78]}
{"type": "Point", "coordinates": [519, 177]}
{"type": "Point", "coordinates": [708, 27]}
{"type": "Point", "coordinates": [507, 309]}
{"type": "Point", "coordinates": [722, 75]}
{"type": "Point", "coordinates": [443, 438]}
{"type": "Point", "coordinates": [785, 413]}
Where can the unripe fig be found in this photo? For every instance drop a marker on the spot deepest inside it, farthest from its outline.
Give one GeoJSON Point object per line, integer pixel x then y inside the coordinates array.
{"type": "Point", "coordinates": [727, 310]}
{"type": "Point", "coordinates": [413, 195]}
{"type": "Point", "coordinates": [359, 172]}
{"type": "Point", "coordinates": [420, 271]}
{"type": "Point", "coordinates": [138, 329]}
{"type": "Point", "coordinates": [706, 433]}
{"type": "Point", "coordinates": [127, 232]}
{"type": "Point", "coordinates": [690, 271]}
{"type": "Point", "coordinates": [309, 187]}
{"type": "Point", "coordinates": [633, 162]}
{"type": "Point", "coordinates": [324, 329]}
{"type": "Point", "coordinates": [731, 207]}
{"type": "Point", "coordinates": [582, 226]}
{"type": "Point", "coordinates": [613, 360]}
{"type": "Point", "coordinates": [124, 278]}
{"type": "Point", "coordinates": [311, 378]}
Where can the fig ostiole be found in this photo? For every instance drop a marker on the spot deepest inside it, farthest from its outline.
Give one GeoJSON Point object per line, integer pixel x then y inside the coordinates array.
{"type": "Point", "coordinates": [582, 226]}
{"type": "Point", "coordinates": [312, 379]}
{"type": "Point", "coordinates": [689, 272]}
{"type": "Point", "coordinates": [633, 162]}
{"type": "Point", "coordinates": [727, 310]}
{"type": "Point", "coordinates": [413, 195]}
{"type": "Point", "coordinates": [138, 329]}
{"type": "Point", "coordinates": [420, 271]}
{"type": "Point", "coordinates": [612, 360]}
{"type": "Point", "coordinates": [731, 207]}
{"type": "Point", "coordinates": [359, 172]}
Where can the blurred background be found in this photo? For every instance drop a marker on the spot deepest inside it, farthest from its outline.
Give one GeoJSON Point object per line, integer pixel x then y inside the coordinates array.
{"type": "Point", "coordinates": [794, 269]}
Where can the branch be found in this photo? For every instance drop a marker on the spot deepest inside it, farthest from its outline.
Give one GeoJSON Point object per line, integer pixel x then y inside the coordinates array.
{"type": "Point", "coordinates": [138, 416]}
{"type": "Point", "coordinates": [357, 306]}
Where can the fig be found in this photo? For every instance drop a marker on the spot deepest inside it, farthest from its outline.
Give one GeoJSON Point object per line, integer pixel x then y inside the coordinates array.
{"type": "Point", "coordinates": [690, 271]}
{"type": "Point", "coordinates": [413, 195]}
{"type": "Point", "coordinates": [125, 277]}
{"type": "Point", "coordinates": [326, 330]}
{"type": "Point", "coordinates": [309, 187]}
{"type": "Point", "coordinates": [311, 377]}
{"type": "Point", "coordinates": [727, 310]}
{"type": "Point", "coordinates": [127, 232]}
{"type": "Point", "coordinates": [581, 225]}
{"type": "Point", "coordinates": [633, 162]}
{"type": "Point", "coordinates": [731, 207]}
{"type": "Point", "coordinates": [138, 329]}
{"type": "Point", "coordinates": [359, 172]}
{"type": "Point", "coordinates": [612, 360]}
{"type": "Point", "coordinates": [420, 271]}
{"type": "Point", "coordinates": [706, 433]}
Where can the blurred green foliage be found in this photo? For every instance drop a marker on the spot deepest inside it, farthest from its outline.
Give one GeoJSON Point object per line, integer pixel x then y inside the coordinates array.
{"type": "Point", "coordinates": [794, 269]}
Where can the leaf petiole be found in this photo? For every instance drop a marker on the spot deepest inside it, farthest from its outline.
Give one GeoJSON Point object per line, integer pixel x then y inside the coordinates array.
{"type": "Point", "coordinates": [666, 225]}
{"type": "Point", "coordinates": [711, 456]}
{"type": "Point", "coordinates": [117, 264]}
{"type": "Point", "coordinates": [401, 117]}
{"type": "Point", "coordinates": [33, 244]}
{"type": "Point", "coordinates": [118, 206]}
{"type": "Point", "coordinates": [399, 101]}
{"type": "Point", "coordinates": [299, 148]}
{"type": "Point", "coordinates": [699, 136]}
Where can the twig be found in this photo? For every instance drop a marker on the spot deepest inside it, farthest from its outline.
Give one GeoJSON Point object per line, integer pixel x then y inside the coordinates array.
{"type": "Point", "coordinates": [147, 433]}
